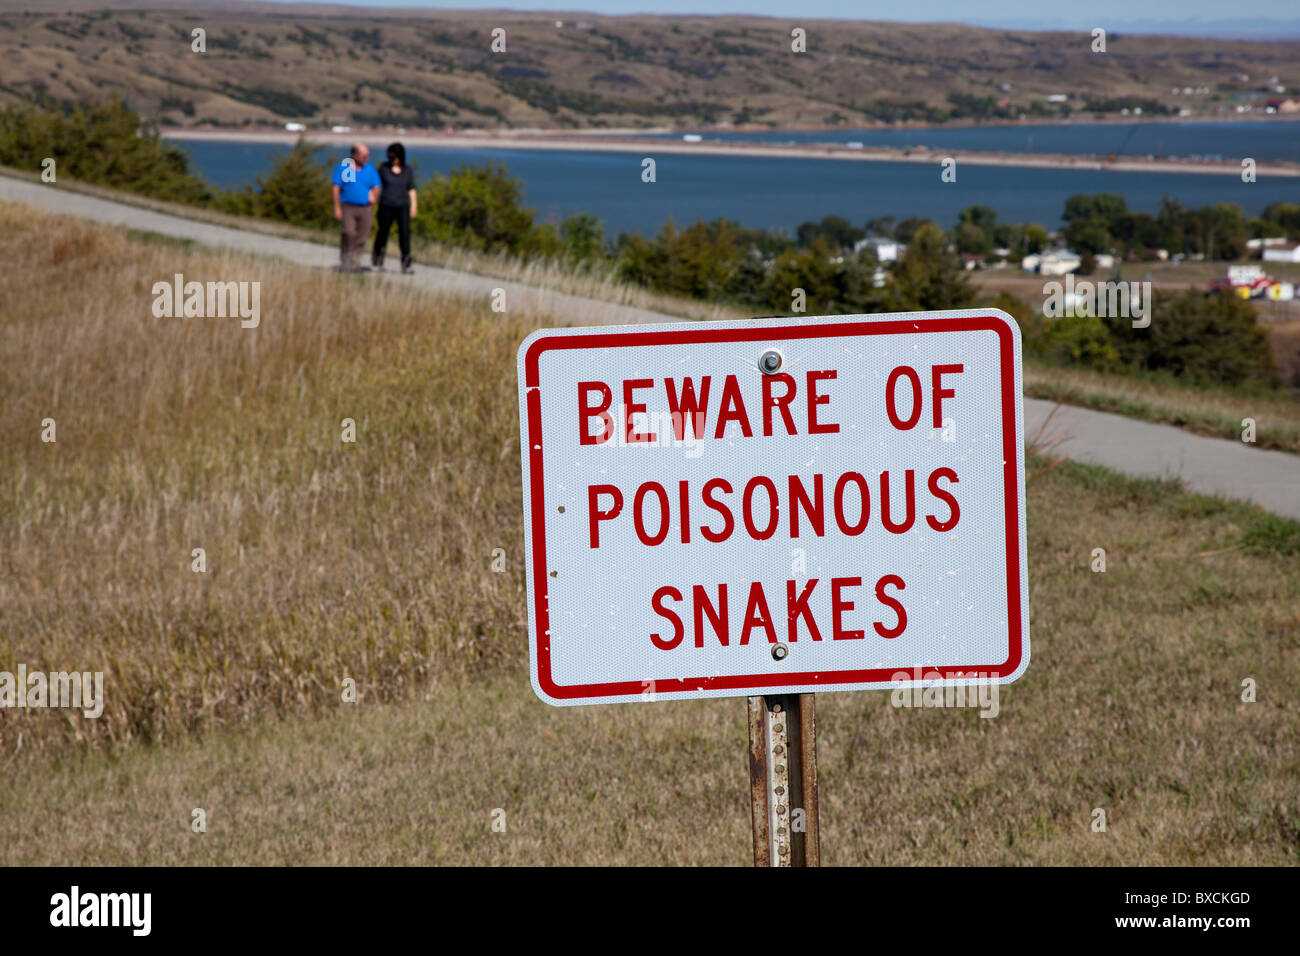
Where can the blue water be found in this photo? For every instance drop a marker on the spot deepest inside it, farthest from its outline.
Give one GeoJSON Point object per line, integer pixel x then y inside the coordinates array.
{"type": "Point", "coordinates": [1275, 139]}
{"type": "Point", "coordinates": [761, 192]}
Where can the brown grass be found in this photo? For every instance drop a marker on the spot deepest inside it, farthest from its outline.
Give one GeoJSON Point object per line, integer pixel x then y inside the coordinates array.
{"type": "Point", "coordinates": [373, 560]}
{"type": "Point", "coordinates": [324, 558]}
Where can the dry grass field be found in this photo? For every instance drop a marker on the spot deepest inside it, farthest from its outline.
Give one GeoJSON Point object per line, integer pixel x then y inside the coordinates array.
{"type": "Point", "coordinates": [373, 561]}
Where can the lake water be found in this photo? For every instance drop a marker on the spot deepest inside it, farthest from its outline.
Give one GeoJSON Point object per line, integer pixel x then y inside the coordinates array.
{"type": "Point", "coordinates": [762, 192]}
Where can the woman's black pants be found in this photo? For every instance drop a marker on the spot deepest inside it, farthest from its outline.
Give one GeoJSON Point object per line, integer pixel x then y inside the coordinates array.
{"type": "Point", "coordinates": [387, 216]}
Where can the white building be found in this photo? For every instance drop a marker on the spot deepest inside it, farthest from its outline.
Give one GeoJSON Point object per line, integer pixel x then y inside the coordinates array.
{"type": "Point", "coordinates": [1282, 254]}
{"type": "Point", "coordinates": [1059, 262]}
{"type": "Point", "coordinates": [294, 127]}
{"type": "Point", "coordinates": [886, 250]}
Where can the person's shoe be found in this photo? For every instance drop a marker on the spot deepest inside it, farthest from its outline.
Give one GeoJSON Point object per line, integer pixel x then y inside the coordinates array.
{"type": "Point", "coordinates": [407, 269]}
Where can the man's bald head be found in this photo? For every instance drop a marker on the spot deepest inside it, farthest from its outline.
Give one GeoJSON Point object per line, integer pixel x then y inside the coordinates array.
{"type": "Point", "coordinates": [360, 152]}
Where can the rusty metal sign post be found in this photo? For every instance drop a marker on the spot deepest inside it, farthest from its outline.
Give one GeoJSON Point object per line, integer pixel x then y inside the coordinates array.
{"type": "Point", "coordinates": [783, 779]}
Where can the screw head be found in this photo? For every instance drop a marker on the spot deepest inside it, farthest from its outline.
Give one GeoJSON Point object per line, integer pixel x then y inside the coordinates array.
{"type": "Point", "coordinates": [770, 362]}
{"type": "Point", "coordinates": [780, 652]}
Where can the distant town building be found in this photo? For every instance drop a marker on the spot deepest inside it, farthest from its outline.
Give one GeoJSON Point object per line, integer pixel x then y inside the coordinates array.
{"type": "Point", "coordinates": [294, 127]}
{"type": "Point", "coordinates": [886, 250]}
{"type": "Point", "coordinates": [1288, 253]}
{"type": "Point", "coordinates": [1269, 242]}
{"type": "Point", "coordinates": [1057, 97]}
{"type": "Point", "coordinates": [1059, 262]}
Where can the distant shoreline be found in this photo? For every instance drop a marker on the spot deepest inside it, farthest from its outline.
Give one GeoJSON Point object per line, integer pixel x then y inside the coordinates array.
{"type": "Point", "coordinates": [602, 141]}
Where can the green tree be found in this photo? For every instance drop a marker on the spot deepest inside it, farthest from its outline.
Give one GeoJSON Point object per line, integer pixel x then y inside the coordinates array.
{"type": "Point", "coordinates": [1213, 339]}
{"type": "Point", "coordinates": [810, 269]}
{"type": "Point", "coordinates": [1088, 236]}
{"type": "Point", "coordinates": [703, 261]}
{"type": "Point", "coordinates": [479, 207]}
{"type": "Point", "coordinates": [984, 218]}
{"type": "Point", "coordinates": [1106, 207]}
{"type": "Point", "coordinates": [1224, 231]}
{"type": "Point", "coordinates": [1136, 234]}
{"type": "Point", "coordinates": [296, 190]}
{"type": "Point", "coordinates": [1176, 225]}
{"type": "Point", "coordinates": [1091, 221]}
{"type": "Point", "coordinates": [642, 261]}
{"type": "Point", "coordinates": [583, 237]}
{"type": "Point", "coordinates": [929, 276]}
{"type": "Point", "coordinates": [1282, 217]}
{"type": "Point", "coordinates": [881, 226]}
{"type": "Point", "coordinates": [907, 228]}
{"type": "Point", "coordinates": [1079, 340]}
{"type": "Point", "coordinates": [971, 238]}
{"type": "Point", "coordinates": [836, 231]}
{"type": "Point", "coordinates": [103, 143]}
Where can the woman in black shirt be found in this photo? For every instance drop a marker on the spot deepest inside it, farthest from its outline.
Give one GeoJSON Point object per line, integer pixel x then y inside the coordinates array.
{"type": "Point", "coordinates": [397, 201]}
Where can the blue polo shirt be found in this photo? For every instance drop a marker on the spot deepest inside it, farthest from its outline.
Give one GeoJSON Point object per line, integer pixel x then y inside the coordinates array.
{"type": "Point", "coordinates": [355, 189]}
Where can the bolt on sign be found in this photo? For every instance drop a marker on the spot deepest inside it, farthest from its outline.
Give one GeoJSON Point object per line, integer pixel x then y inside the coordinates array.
{"type": "Point", "coordinates": [774, 506]}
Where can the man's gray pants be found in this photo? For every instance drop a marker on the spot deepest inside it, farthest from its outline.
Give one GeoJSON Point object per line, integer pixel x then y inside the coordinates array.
{"type": "Point", "coordinates": [356, 227]}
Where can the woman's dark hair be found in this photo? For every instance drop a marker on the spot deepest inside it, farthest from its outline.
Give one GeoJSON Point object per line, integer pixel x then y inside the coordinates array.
{"type": "Point", "coordinates": [397, 153]}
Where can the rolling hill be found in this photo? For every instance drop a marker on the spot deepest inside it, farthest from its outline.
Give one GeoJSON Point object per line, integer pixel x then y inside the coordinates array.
{"type": "Point", "coordinates": [268, 64]}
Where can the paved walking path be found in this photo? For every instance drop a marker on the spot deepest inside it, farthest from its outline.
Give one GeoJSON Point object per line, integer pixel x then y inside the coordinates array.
{"type": "Point", "coordinates": [1270, 479]}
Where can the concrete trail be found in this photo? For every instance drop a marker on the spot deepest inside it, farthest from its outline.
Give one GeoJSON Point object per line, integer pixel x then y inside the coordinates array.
{"type": "Point", "coordinates": [525, 298]}
{"type": "Point", "coordinates": [1214, 466]}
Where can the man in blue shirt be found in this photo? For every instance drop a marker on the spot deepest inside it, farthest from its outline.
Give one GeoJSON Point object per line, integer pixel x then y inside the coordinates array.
{"type": "Point", "coordinates": [355, 188]}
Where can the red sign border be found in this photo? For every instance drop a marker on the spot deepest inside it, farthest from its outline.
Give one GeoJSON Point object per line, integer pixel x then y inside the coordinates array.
{"type": "Point", "coordinates": [758, 333]}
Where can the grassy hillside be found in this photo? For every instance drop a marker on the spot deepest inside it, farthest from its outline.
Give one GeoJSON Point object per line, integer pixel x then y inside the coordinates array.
{"type": "Point", "coordinates": [266, 64]}
{"type": "Point", "coordinates": [373, 560]}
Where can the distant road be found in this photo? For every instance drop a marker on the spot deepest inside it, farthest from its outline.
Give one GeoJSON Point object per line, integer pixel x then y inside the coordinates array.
{"type": "Point", "coordinates": [1214, 466]}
